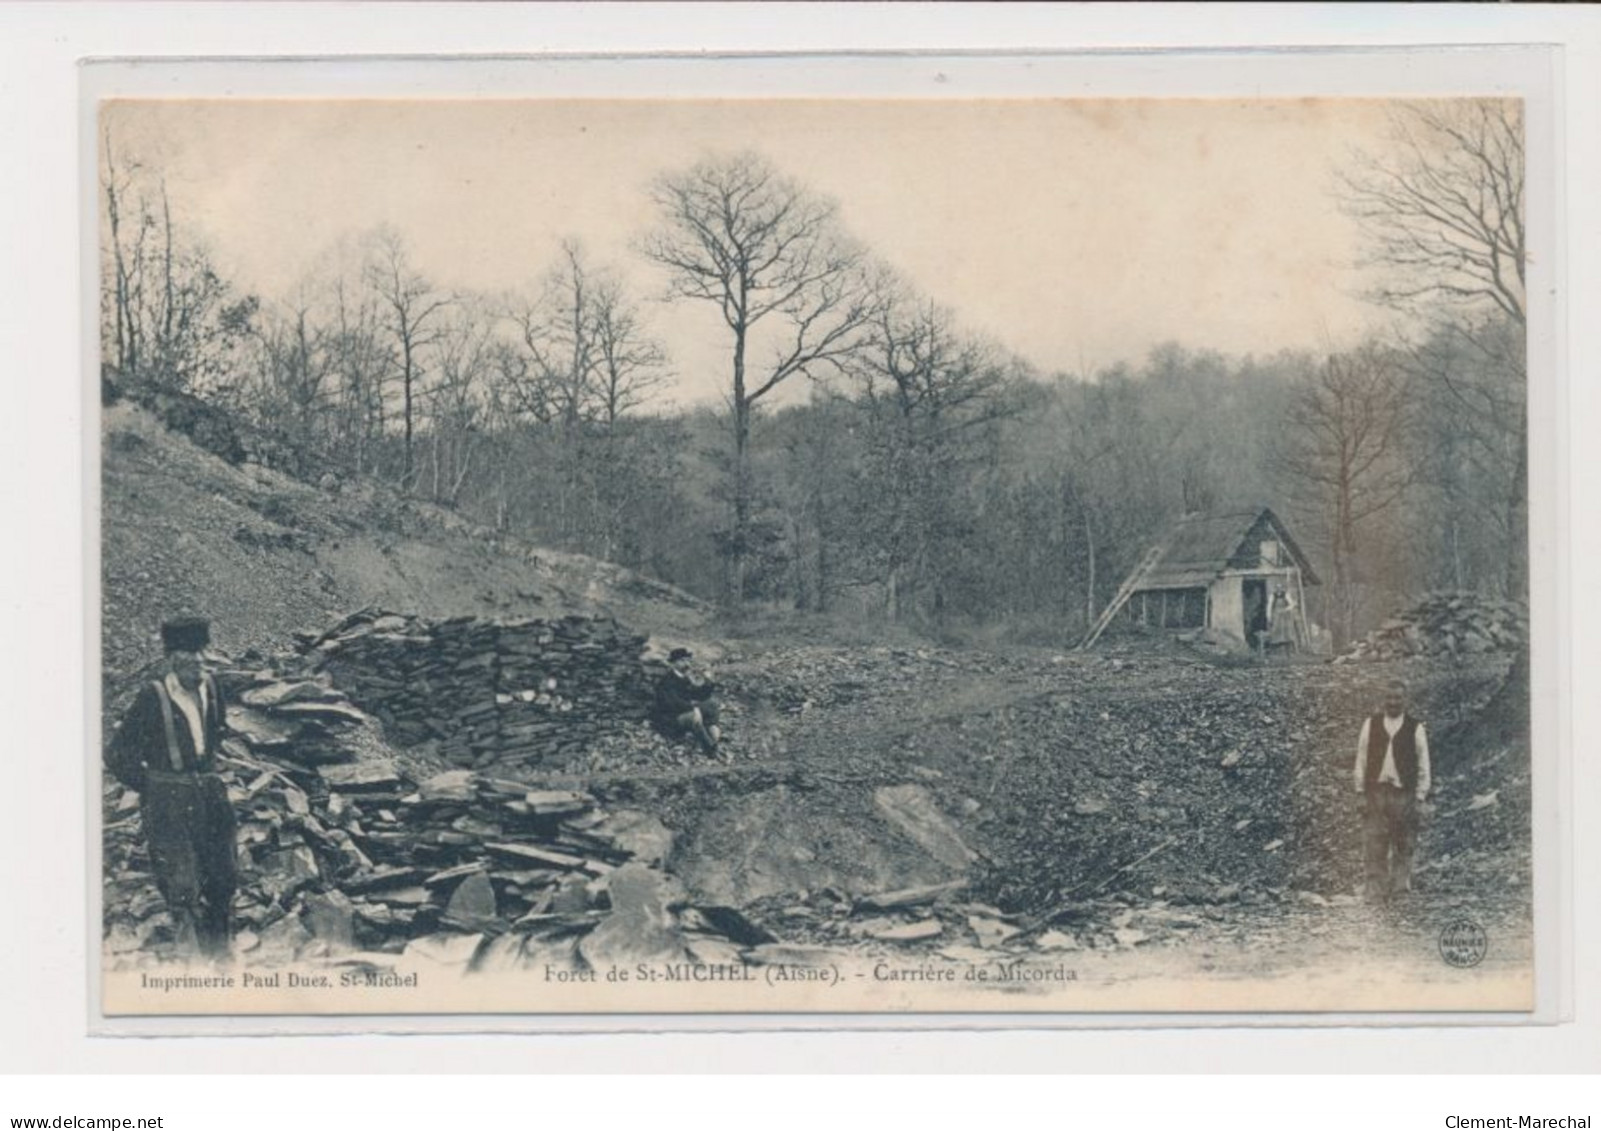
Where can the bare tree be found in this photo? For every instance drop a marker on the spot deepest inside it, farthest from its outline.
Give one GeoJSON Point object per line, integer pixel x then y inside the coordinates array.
{"type": "Point", "coordinates": [463, 358]}
{"type": "Point", "coordinates": [505, 417]}
{"type": "Point", "coordinates": [1443, 210]}
{"type": "Point", "coordinates": [114, 183]}
{"type": "Point", "coordinates": [365, 363]}
{"type": "Point", "coordinates": [1343, 452]}
{"type": "Point", "coordinates": [168, 318]}
{"type": "Point", "coordinates": [1120, 444]}
{"type": "Point", "coordinates": [412, 304]}
{"type": "Point", "coordinates": [1475, 373]}
{"type": "Point", "coordinates": [770, 257]}
{"type": "Point", "coordinates": [630, 365]}
{"type": "Point", "coordinates": [296, 368]}
{"type": "Point", "coordinates": [558, 331]}
{"type": "Point", "coordinates": [586, 362]}
{"type": "Point", "coordinates": [925, 387]}
{"type": "Point", "coordinates": [589, 357]}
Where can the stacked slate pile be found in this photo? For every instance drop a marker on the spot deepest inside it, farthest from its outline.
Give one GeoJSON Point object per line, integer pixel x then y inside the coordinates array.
{"type": "Point", "coordinates": [482, 693]}
{"type": "Point", "coordinates": [270, 712]}
{"type": "Point", "coordinates": [304, 720]}
{"type": "Point", "coordinates": [358, 857]}
{"type": "Point", "coordinates": [1447, 624]}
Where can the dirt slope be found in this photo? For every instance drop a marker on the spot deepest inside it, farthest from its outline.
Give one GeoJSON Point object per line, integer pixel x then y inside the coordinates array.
{"type": "Point", "coordinates": [266, 555]}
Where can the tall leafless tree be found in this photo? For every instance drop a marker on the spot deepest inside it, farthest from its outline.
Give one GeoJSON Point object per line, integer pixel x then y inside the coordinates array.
{"type": "Point", "coordinates": [168, 318]}
{"type": "Point", "coordinates": [769, 256]}
{"type": "Point", "coordinates": [586, 362]}
{"type": "Point", "coordinates": [1444, 212]}
{"type": "Point", "coordinates": [590, 359]}
{"type": "Point", "coordinates": [925, 386]}
{"type": "Point", "coordinates": [1475, 370]}
{"type": "Point", "coordinates": [1344, 452]}
{"type": "Point", "coordinates": [1444, 208]}
{"type": "Point", "coordinates": [557, 326]}
{"type": "Point", "coordinates": [296, 366]}
{"type": "Point", "coordinates": [412, 304]}
{"type": "Point", "coordinates": [462, 357]}
{"type": "Point", "coordinates": [630, 365]}
{"type": "Point", "coordinates": [365, 362]}
{"type": "Point", "coordinates": [116, 291]}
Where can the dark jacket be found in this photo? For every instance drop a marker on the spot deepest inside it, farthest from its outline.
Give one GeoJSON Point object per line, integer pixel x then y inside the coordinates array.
{"type": "Point", "coordinates": [142, 741]}
{"type": "Point", "coordinates": [680, 690]}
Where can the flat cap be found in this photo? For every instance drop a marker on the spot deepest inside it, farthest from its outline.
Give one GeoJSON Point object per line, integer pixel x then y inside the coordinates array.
{"type": "Point", "coordinates": [185, 634]}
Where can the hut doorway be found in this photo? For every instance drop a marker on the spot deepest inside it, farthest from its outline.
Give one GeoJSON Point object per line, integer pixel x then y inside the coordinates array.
{"type": "Point", "coordinates": [1255, 595]}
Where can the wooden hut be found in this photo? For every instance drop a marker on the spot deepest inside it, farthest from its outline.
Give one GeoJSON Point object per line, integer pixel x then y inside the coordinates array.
{"type": "Point", "coordinates": [1218, 572]}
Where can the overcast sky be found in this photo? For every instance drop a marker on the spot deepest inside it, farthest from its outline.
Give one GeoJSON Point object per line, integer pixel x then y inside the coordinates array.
{"type": "Point", "coordinates": [1077, 233]}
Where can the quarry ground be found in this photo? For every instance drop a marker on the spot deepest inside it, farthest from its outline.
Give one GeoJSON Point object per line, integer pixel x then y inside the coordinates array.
{"type": "Point", "coordinates": [1147, 809]}
{"type": "Point", "coordinates": [1137, 810]}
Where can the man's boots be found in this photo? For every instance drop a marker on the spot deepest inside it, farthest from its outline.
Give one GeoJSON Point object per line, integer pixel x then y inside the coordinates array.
{"type": "Point", "coordinates": [185, 932]}
{"type": "Point", "coordinates": [213, 934]}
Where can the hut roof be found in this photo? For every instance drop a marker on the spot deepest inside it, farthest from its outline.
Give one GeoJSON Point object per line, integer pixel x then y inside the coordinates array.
{"type": "Point", "coordinates": [1202, 546]}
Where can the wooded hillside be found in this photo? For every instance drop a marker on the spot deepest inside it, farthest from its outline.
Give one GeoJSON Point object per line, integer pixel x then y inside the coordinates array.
{"type": "Point", "coordinates": [872, 458]}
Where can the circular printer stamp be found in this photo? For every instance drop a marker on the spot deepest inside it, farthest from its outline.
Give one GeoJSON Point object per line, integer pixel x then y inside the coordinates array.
{"type": "Point", "coordinates": [1463, 943]}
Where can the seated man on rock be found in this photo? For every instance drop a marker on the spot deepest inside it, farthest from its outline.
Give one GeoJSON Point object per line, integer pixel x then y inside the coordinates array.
{"type": "Point", "coordinates": [684, 703]}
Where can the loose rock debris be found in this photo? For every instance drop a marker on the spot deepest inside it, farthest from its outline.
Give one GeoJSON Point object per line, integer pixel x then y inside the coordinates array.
{"type": "Point", "coordinates": [1447, 624]}
{"type": "Point", "coordinates": [1105, 803]}
{"type": "Point", "coordinates": [1211, 789]}
{"type": "Point", "coordinates": [463, 868]}
{"type": "Point", "coordinates": [347, 844]}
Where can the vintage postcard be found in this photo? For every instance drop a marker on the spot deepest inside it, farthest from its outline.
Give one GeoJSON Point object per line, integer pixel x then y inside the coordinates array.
{"type": "Point", "coordinates": [804, 555]}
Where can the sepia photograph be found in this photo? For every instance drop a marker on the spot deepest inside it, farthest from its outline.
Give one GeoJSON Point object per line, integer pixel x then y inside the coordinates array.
{"type": "Point", "coordinates": [801, 555]}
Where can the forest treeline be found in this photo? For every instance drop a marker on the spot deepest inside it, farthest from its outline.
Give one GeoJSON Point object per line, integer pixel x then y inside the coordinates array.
{"type": "Point", "coordinates": [870, 458]}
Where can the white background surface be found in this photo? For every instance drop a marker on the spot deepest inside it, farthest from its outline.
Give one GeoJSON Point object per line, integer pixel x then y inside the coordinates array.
{"type": "Point", "coordinates": [44, 1003]}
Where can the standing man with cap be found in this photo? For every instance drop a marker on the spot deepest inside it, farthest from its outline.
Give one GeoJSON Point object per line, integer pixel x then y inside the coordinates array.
{"type": "Point", "coordinates": [1393, 776]}
{"type": "Point", "coordinates": [166, 749]}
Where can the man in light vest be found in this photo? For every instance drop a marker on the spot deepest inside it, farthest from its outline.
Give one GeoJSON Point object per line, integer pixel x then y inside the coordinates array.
{"type": "Point", "coordinates": [166, 749]}
{"type": "Point", "coordinates": [1393, 776]}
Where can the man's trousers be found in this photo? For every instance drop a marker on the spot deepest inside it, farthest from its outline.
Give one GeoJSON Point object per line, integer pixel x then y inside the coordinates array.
{"type": "Point", "coordinates": [191, 831]}
{"type": "Point", "coordinates": [1389, 836]}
